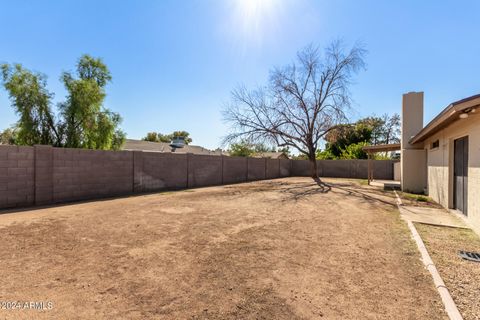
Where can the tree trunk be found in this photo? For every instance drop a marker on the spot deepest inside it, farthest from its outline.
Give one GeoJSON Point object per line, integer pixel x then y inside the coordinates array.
{"type": "Point", "coordinates": [313, 166]}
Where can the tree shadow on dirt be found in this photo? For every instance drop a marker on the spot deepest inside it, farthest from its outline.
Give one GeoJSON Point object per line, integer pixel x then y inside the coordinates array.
{"type": "Point", "coordinates": [358, 192]}
{"type": "Point", "coordinates": [299, 191]}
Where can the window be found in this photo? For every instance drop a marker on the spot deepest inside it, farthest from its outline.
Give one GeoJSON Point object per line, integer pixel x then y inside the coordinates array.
{"type": "Point", "coordinates": [435, 144]}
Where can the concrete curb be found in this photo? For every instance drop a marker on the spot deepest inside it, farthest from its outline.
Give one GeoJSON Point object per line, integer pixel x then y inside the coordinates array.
{"type": "Point", "coordinates": [450, 306]}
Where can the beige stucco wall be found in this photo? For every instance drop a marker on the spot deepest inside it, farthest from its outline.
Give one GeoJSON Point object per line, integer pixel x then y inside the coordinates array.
{"type": "Point", "coordinates": [440, 165]}
{"type": "Point", "coordinates": [413, 175]}
{"type": "Point", "coordinates": [397, 169]}
{"type": "Point", "coordinates": [413, 163]}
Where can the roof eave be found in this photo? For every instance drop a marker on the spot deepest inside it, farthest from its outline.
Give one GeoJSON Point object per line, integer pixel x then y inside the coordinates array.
{"type": "Point", "coordinates": [445, 118]}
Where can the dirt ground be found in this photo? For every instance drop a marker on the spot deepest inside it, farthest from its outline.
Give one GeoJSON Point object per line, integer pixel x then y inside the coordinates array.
{"type": "Point", "coordinates": [461, 277]}
{"type": "Point", "coordinates": [278, 249]}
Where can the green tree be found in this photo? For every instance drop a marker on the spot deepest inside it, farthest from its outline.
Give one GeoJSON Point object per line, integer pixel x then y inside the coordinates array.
{"type": "Point", "coordinates": [167, 138]}
{"type": "Point", "coordinates": [8, 136]}
{"type": "Point", "coordinates": [164, 137]}
{"type": "Point", "coordinates": [31, 101]}
{"type": "Point", "coordinates": [183, 134]}
{"type": "Point", "coordinates": [241, 149]}
{"type": "Point", "coordinates": [247, 149]}
{"type": "Point", "coordinates": [355, 151]}
{"type": "Point", "coordinates": [345, 135]}
{"type": "Point", "coordinates": [346, 141]}
{"type": "Point", "coordinates": [83, 120]}
{"type": "Point", "coordinates": [87, 124]}
{"type": "Point", "coordinates": [151, 136]}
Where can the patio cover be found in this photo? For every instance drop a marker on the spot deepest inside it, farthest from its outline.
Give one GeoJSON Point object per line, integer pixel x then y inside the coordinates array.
{"type": "Point", "coordinates": [370, 150]}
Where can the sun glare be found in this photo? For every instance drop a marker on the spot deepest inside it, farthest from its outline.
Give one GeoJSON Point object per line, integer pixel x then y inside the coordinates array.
{"type": "Point", "coordinates": [253, 20]}
{"type": "Point", "coordinates": [254, 9]}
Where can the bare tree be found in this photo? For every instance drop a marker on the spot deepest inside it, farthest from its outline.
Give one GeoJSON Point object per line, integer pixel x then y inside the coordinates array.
{"type": "Point", "coordinates": [301, 103]}
{"type": "Point", "coordinates": [391, 132]}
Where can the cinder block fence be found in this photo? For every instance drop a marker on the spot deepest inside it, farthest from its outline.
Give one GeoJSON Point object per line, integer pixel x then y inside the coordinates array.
{"type": "Point", "coordinates": [42, 175]}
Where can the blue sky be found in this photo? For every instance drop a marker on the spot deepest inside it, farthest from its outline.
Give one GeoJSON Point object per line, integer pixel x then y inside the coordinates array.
{"type": "Point", "coordinates": [175, 62]}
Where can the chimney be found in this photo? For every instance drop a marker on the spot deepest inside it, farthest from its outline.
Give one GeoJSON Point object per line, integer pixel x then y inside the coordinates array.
{"type": "Point", "coordinates": [412, 117]}
{"type": "Point", "coordinates": [413, 158]}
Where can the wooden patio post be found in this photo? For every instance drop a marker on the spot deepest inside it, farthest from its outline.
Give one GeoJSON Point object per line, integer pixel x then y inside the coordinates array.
{"type": "Point", "coordinates": [369, 167]}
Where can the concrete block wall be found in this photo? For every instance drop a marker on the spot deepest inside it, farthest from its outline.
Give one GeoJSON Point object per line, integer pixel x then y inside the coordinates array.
{"type": "Point", "coordinates": [204, 170]}
{"type": "Point", "coordinates": [17, 180]}
{"type": "Point", "coordinates": [256, 169]}
{"type": "Point", "coordinates": [42, 175]}
{"type": "Point", "coordinates": [156, 171]}
{"type": "Point", "coordinates": [273, 168]}
{"type": "Point", "coordinates": [80, 174]}
{"type": "Point", "coordinates": [285, 167]}
{"type": "Point", "coordinates": [300, 168]}
{"type": "Point", "coordinates": [356, 169]}
{"type": "Point", "coordinates": [235, 169]}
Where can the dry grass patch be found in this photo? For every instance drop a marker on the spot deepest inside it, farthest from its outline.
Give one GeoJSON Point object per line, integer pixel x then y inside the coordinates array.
{"type": "Point", "coordinates": [461, 277]}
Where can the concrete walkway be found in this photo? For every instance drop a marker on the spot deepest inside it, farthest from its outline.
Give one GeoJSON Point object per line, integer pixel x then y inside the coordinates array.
{"type": "Point", "coordinates": [433, 216]}
{"type": "Point", "coordinates": [386, 184]}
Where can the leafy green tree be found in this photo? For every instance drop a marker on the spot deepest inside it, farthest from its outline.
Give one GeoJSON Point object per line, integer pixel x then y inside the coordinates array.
{"type": "Point", "coordinates": [183, 134]}
{"type": "Point", "coordinates": [8, 136]}
{"type": "Point", "coordinates": [385, 129]}
{"type": "Point", "coordinates": [346, 141]}
{"type": "Point", "coordinates": [83, 120]}
{"type": "Point", "coordinates": [87, 124]}
{"type": "Point", "coordinates": [241, 149]}
{"type": "Point", "coordinates": [31, 101]}
{"type": "Point", "coordinates": [325, 155]}
{"type": "Point", "coordinates": [355, 151]}
{"type": "Point", "coordinates": [151, 136]}
{"type": "Point", "coordinates": [164, 137]}
{"type": "Point", "coordinates": [167, 138]}
{"type": "Point", "coordinates": [345, 135]}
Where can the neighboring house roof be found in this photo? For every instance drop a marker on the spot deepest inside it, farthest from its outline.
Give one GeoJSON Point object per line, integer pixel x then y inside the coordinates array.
{"type": "Point", "coordinates": [449, 115]}
{"type": "Point", "coordinates": [140, 145]}
{"type": "Point", "coordinates": [271, 155]}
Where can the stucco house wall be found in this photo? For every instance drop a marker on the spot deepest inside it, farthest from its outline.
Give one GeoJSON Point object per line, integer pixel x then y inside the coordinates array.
{"type": "Point", "coordinates": [413, 156]}
{"type": "Point", "coordinates": [440, 165]}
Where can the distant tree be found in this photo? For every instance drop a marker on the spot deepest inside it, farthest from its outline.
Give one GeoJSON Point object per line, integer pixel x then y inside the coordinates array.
{"type": "Point", "coordinates": [285, 150]}
{"type": "Point", "coordinates": [338, 139]}
{"type": "Point", "coordinates": [346, 141]}
{"type": "Point", "coordinates": [354, 151]}
{"type": "Point", "coordinates": [385, 129]}
{"type": "Point", "coordinates": [183, 134]}
{"type": "Point", "coordinates": [151, 136]}
{"type": "Point", "coordinates": [391, 128]}
{"type": "Point", "coordinates": [83, 122]}
{"type": "Point", "coordinates": [244, 148]}
{"type": "Point", "coordinates": [241, 149]}
{"type": "Point", "coordinates": [160, 137]}
{"type": "Point", "coordinates": [300, 105]}
{"type": "Point", "coordinates": [8, 136]}
{"type": "Point", "coordinates": [262, 147]}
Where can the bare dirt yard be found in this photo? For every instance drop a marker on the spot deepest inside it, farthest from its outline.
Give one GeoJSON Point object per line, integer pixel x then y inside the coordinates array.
{"type": "Point", "coordinates": [278, 249]}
